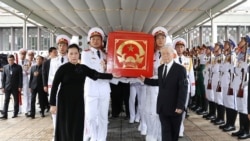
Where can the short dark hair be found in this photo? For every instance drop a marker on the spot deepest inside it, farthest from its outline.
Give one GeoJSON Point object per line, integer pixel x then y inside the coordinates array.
{"type": "Point", "coordinates": [11, 56]}
{"type": "Point", "coordinates": [51, 49]}
{"type": "Point", "coordinates": [74, 46]}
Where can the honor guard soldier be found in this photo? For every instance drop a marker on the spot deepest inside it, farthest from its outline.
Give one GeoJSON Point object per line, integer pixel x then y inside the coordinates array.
{"type": "Point", "coordinates": [227, 70]}
{"type": "Point", "coordinates": [96, 99]}
{"type": "Point", "coordinates": [241, 89]}
{"type": "Point", "coordinates": [216, 85]}
{"type": "Point", "coordinates": [62, 42]}
{"type": "Point", "coordinates": [207, 73]}
{"type": "Point", "coordinates": [180, 46]}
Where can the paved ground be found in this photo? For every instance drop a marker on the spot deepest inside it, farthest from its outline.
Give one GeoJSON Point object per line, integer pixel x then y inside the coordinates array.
{"type": "Point", "coordinates": [40, 129]}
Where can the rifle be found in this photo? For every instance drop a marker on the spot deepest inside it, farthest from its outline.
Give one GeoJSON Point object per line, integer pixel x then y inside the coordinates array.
{"type": "Point", "coordinates": [241, 89]}
{"type": "Point", "coordinates": [218, 88]}
{"type": "Point", "coordinates": [209, 84]}
{"type": "Point", "coordinates": [230, 90]}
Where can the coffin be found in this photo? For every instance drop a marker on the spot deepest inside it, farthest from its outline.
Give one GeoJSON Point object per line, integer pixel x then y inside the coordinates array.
{"type": "Point", "coordinates": [130, 54]}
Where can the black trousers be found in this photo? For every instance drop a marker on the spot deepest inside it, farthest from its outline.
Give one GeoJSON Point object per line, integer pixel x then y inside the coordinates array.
{"type": "Point", "coordinates": [41, 98]}
{"type": "Point", "coordinates": [170, 127]}
{"type": "Point", "coordinates": [14, 93]}
{"type": "Point", "coordinates": [119, 95]}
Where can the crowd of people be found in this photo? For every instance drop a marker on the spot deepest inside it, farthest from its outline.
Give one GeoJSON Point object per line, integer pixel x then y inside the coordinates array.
{"type": "Point", "coordinates": [74, 86]}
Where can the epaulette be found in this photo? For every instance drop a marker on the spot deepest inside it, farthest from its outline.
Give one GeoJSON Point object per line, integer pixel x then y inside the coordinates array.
{"type": "Point", "coordinates": [86, 49]}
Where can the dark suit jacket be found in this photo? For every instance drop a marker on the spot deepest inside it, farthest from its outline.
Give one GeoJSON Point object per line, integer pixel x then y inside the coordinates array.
{"type": "Point", "coordinates": [45, 72]}
{"type": "Point", "coordinates": [36, 81]}
{"type": "Point", "coordinates": [172, 90]}
{"type": "Point", "coordinates": [13, 81]}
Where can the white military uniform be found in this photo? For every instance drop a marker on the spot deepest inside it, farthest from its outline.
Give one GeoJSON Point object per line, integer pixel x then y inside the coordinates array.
{"type": "Point", "coordinates": [242, 101]}
{"type": "Point", "coordinates": [216, 80]}
{"type": "Point", "coordinates": [207, 73]}
{"type": "Point", "coordinates": [55, 63]}
{"type": "Point", "coordinates": [226, 79]}
{"type": "Point", "coordinates": [136, 89]}
{"type": "Point", "coordinates": [152, 118]}
{"type": "Point", "coordinates": [97, 96]}
{"type": "Point", "coordinates": [188, 64]}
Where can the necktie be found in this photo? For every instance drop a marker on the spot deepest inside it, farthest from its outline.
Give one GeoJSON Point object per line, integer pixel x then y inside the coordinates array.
{"type": "Point", "coordinates": [159, 55]}
{"type": "Point", "coordinates": [165, 72]}
{"type": "Point", "coordinates": [22, 62]}
{"type": "Point", "coordinates": [62, 59]}
{"type": "Point", "coordinates": [98, 53]}
{"type": "Point", "coordinates": [180, 60]}
{"type": "Point", "coordinates": [11, 69]}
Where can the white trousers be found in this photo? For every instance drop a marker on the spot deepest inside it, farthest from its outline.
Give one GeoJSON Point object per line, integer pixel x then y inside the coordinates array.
{"type": "Point", "coordinates": [134, 111]}
{"type": "Point", "coordinates": [26, 101]}
{"type": "Point", "coordinates": [96, 118]}
{"type": "Point", "coordinates": [142, 110]}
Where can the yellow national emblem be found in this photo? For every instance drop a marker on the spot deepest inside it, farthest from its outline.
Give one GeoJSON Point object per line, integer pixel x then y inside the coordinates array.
{"type": "Point", "coordinates": [130, 54]}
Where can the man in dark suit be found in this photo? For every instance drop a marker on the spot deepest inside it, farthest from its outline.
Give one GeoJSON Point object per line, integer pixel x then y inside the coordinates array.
{"type": "Point", "coordinates": [36, 86]}
{"type": "Point", "coordinates": [12, 82]}
{"type": "Point", "coordinates": [172, 81]}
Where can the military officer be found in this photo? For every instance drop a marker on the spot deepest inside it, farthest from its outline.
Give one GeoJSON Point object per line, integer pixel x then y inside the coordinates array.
{"type": "Point", "coordinates": [180, 45]}
{"type": "Point", "coordinates": [62, 45]}
{"type": "Point", "coordinates": [96, 99]}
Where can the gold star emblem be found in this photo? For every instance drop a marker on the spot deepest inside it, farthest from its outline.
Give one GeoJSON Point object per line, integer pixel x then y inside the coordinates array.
{"type": "Point", "coordinates": [131, 48]}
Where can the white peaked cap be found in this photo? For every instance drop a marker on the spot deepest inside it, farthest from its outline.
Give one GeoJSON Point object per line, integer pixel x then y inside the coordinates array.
{"type": "Point", "coordinates": [179, 41]}
{"type": "Point", "coordinates": [62, 38]}
{"type": "Point", "coordinates": [95, 31]}
{"type": "Point", "coordinates": [160, 30]}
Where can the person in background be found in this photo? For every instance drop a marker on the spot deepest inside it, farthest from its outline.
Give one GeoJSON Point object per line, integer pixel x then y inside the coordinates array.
{"type": "Point", "coordinates": [26, 98]}
{"type": "Point", "coordinates": [36, 86]}
{"type": "Point", "coordinates": [12, 82]}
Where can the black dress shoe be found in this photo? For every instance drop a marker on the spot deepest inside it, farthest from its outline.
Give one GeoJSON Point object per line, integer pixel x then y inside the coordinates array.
{"type": "Point", "coordinates": [214, 120]}
{"type": "Point", "coordinates": [219, 122]}
{"type": "Point", "coordinates": [229, 128]}
{"type": "Point", "coordinates": [202, 112]}
{"type": "Point", "coordinates": [244, 136]}
{"type": "Point", "coordinates": [197, 109]}
{"type": "Point", "coordinates": [238, 133]}
{"type": "Point", "coordinates": [14, 116]}
{"type": "Point", "coordinates": [211, 117]}
{"type": "Point", "coordinates": [223, 126]}
{"type": "Point", "coordinates": [3, 117]}
{"type": "Point", "coordinates": [206, 115]}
